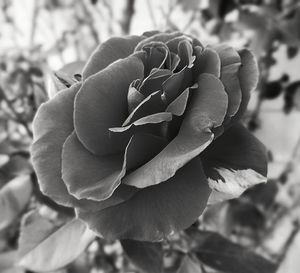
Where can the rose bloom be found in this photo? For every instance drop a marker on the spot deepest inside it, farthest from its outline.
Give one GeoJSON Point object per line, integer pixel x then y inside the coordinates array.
{"type": "Point", "coordinates": [150, 136]}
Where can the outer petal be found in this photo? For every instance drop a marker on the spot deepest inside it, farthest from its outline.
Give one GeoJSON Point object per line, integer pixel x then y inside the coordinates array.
{"type": "Point", "coordinates": [156, 211]}
{"type": "Point", "coordinates": [113, 49]}
{"type": "Point", "coordinates": [101, 103]}
{"type": "Point", "coordinates": [206, 110]}
{"type": "Point", "coordinates": [51, 126]}
{"type": "Point", "coordinates": [87, 175]}
{"type": "Point", "coordinates": [230, 64]}
{"type": "Point", "coordinates": [234, 162]}
{"type": "Point", "coordinates": [94, 177]}
{"type": "Point", "coordinates": [248, 77]}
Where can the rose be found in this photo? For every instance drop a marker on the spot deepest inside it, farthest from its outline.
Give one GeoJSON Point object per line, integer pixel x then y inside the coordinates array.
{"type": "Point", "coordinates": [150, 135]}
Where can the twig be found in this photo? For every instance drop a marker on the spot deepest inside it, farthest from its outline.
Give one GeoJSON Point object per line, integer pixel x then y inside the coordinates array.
{"type": "Point", "coordinates": [89, 20]}
{"type": "Point", "coordinates": [291, 163]}
{"type": "Point", "coordinates": [191, 20]}
{"type": "Point", "coordinates": [111, 16]}
{"type": "Point", "coordinates": [289, 242]}
{"type": "Point", "coordinates": [127, 18]}
{"type": "Point", "coordinates": [34, 22]}
{"type": "Point", "coordinates": [150, 9]}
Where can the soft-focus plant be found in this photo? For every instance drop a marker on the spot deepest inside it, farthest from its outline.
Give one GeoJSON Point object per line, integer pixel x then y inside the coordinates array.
{"type": "Point", "coordinates": [78, 227]}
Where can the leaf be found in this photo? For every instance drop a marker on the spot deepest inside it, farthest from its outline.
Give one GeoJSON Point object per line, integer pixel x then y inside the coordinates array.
{"type": "Point", "coordinates": [7, 260]}
{"type": "Point", "coordinates": [14, 196]}
{"type": "Point", "coordinates": [63, 78]}
{"type": "Point", "coordinates": [189, 266]}
{"type": "Point", "coordinates": [145, 255]}
{"type": "Point", "coordinates": [222, 254]}
{"type": "Point", "coordinates": [44, 247]}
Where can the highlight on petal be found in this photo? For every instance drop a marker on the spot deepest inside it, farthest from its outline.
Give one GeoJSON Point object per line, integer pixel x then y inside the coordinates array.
{"type": "Point", "coordinates": [234, 162]}
{"type": "Point", "coordinates": [206, 111]}
{"type": "Point", "coordinates": [145, 124]}
{"type": "Point", "coordinates": [150, 105]}
{"type": "Point", "coordinates": [157, 211]}
{"type": "Point", "coordinates": [101, 103]}
{"type": "Point", "coordinates": [113, 49]}
{"type": "Point", "coordinates": [52, 125]}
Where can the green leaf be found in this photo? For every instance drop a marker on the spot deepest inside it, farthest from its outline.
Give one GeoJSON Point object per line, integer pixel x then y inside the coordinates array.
{"type": "Point", "coordinates": [44, 247]}
{"type": "Point", "coordinates": [222, 254]}
{"type": "Point", "coordinates": [145, 255]}
{"type": "Point", "coordinates": [14, 196]}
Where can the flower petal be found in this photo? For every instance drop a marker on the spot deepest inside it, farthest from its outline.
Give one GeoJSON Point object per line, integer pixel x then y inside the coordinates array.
{"type": "Point", "coordinates": [207, 61]}
{"type": "Point", "coordinates": [158, 56]}
{"type": "Point", "coordinates": [185, 52]}
{"type": "Point", "coordinates": [156, 211]}
{"type": "Point", "coordinates": [96, 178]}
{"type": "Point", "coordinates": [227, 54]}
{"type": "Point", "coordinates": [248, 77]}
{"type": "Point", "coordinates": [175, 84]}
{"type": "Point", "coordinates": [52, 125]}
{"type": "Point", "coordinates": [141, 148]}
{"type": "Point", "coordinates": [87, 175]}
{"type": "Point", "coordinates": [234, 162]}
{"type": "Point", "coordinates": [150, 105]}
{"type": "Point", "coordinates": [101, 103]}
{"type": "Point", "coordinates": [159, 37]}
{"type": "Point", "coordinates": [134, 97]}
{"type": "Point", "coordinates": [113, 49]}
{"type": "Point", "coordinates": [229, 77]}
{"type": "Point", "coordinates": [145, 124]}
{"type": "Point", "coordinates": [154, 81]}
{"type": "Point", "coordinates": [177, 106]}
{"type": "Point", "coordinates": [206, 111]}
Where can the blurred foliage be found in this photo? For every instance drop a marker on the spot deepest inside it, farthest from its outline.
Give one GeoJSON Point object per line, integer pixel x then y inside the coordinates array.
{"type": "Point", "coordinates": [255, 233]}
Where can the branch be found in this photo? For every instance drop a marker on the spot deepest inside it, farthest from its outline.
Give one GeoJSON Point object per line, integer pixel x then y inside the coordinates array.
{"type": "Point", "coordinates": [289, 242]}
{"type": "Point", "coordinates": [127, 18]}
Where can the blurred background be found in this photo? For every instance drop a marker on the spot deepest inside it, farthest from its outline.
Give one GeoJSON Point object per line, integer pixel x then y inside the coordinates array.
{"type": "Point", "coordinates": [38, 37]}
